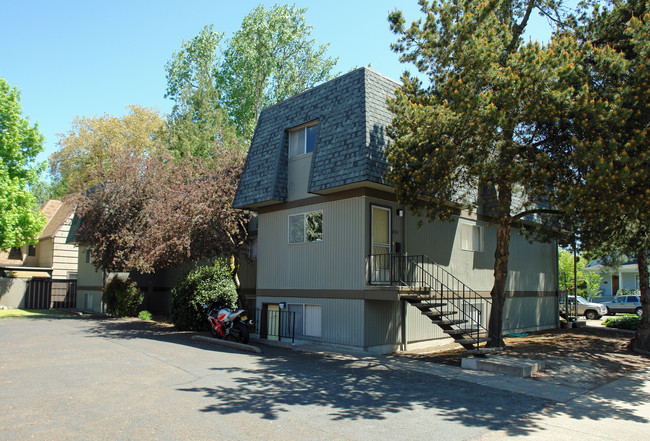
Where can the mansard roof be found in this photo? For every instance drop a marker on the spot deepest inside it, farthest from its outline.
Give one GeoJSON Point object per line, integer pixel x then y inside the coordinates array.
{"type": "Point", "coordinates": [350, 142]}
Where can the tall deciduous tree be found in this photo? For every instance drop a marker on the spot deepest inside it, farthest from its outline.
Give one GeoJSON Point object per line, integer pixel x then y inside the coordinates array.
{"type": "Point", "coordinates": [483, 123]}
{"type": "Point", "coordinates": [198, 125]}
{"type": "Point", "coordinates": [219, 85]}
{"type": "Point", "coordinates": [88, 147]}
{"type": "Point", "coordinates": [19, 145]}
{"type": "Point", "coordinates": [271, 58]}
{"type": "Point", "coordinates": [151, 213]}
{"type": "Point", "coordinates": [611, 197]}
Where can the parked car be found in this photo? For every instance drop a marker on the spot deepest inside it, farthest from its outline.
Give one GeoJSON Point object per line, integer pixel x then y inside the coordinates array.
{"type": "Point", "coordinates": [625, 303]}
{"type": "Point", "coordinates": [591, 311]}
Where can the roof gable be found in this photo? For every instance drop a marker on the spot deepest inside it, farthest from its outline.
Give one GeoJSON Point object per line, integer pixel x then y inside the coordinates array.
{"type": "Point", "coordinates": [350, 141]}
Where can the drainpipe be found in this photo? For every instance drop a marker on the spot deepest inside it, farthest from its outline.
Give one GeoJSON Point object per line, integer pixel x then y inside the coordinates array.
{"type": "Point", "coordinates": [403, 303]}
{"type": "Point", "coordinates": [404, 342]}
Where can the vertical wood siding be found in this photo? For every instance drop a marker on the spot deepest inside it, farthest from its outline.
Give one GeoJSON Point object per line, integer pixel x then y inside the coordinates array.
{"type": "Point", "coordinates": [531, 266]}
{"type": "Point", "coordinates": [342, 319]}
{"type": "Point", "coordinates": [336, 262]}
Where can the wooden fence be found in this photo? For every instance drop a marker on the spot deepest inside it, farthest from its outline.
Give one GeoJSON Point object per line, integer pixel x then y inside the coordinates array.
{"type": "Point", "coordinates": [51, 293]}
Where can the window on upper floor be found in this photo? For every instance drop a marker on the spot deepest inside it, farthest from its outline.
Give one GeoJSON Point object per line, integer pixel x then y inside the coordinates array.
{"type": "Point", "coordinates": [31, 250]}
{"type": "Point", "coordinates": [306, 227]}
{"type": "Point", "coordinates": [471, 237]}
{"type": "Point", "coordinates": [302, 140]}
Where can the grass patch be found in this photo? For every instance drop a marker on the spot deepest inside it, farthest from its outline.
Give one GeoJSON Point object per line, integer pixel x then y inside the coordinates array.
{"type": "Point", "coordinates": [6, 313]}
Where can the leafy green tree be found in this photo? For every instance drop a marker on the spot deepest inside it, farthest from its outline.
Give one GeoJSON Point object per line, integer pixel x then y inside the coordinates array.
{"type": "Point", "coordinates": [592, 283]}
{"type": "Point", "coordinates": [198, 125]}
{"type": "Point", "coordinates": [271, 58]}
{"type": "Point", "coordinates": [219, 87]}
{"type": "Point", "coordinates": [20, 222]}
{"type": "Point", "coordinates": [478, 134]}
{"type": "Point", "coordinates": [610, 198]}
{"type": "Point", "coordinates": [566, 269]}
{"type": "Point", "coordinates": [208, 285]}
{"type": "Point", "coordinates": [85, 151]}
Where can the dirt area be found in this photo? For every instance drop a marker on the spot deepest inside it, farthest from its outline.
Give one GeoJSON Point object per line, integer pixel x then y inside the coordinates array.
{"type": "Point", "coordinates": [580, 357]}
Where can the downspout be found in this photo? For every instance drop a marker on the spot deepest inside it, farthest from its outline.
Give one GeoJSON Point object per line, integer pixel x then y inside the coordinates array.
{"type": "Point", "coordinates": [402, 302]}
{"type": "Point", "coordinates": [557, 285]}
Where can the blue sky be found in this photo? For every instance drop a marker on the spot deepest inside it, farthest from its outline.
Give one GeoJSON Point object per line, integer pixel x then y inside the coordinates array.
{"type": "Point", "coordinates": [87, 58]}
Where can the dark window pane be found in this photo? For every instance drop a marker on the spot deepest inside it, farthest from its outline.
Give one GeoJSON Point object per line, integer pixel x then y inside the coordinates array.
{"type": "Point", "coordinates": [311, 139]}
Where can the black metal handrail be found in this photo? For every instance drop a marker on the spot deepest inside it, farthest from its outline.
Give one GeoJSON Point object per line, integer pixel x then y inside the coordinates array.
{"type": "Point", "coordinates": [448, 294]}
{"type": "Point", "coordinates": [280, 324]}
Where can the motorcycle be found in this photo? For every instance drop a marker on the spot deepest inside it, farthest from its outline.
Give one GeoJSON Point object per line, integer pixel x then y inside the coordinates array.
{"type": "Point", "coordinates": [225, 323]}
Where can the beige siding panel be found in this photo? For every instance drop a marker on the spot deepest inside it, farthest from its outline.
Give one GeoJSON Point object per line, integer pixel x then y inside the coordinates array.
{"type": "Point", "coordinates": [87, 276]}
{"type": "Point", "coordinates": [65, 260]}
{"type": "Point", "coordinates": [336, 262]}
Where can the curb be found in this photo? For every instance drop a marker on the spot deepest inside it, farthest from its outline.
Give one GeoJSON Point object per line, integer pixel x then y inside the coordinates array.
{"type": "Point", "coordinates": [230, 344]}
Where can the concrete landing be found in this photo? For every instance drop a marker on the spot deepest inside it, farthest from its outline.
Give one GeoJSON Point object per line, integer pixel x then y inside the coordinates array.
{"type": "Point", "coordinates": [517, 367]}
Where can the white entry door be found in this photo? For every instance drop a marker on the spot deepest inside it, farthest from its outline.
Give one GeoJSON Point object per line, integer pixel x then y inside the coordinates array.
{"type": "Point", "coordinates": [380, 234]}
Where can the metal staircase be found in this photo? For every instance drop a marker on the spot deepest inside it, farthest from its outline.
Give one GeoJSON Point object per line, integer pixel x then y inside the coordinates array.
{"type": "Point", "coordinates": [449, 303]}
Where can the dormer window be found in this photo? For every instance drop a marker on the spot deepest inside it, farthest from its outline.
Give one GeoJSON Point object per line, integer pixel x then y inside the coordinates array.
{"type": "Point", "coordinates": [302, 140]}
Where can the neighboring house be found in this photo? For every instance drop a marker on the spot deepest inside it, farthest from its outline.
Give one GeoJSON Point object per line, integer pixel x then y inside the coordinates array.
{"type": "Point", "coordinates": [51, 257]}
{"type": "Point", "coordinates": [332, 238]}
{"type": "Point", "coordinates": [615, 278]}
{"type": "Point", "coordinates": [51, 253]}
{"type": "Point", "coordinates": [91, 280]}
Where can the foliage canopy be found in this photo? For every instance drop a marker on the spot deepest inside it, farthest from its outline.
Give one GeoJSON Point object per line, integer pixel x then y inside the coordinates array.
{"type": "Point", "coordinates": [481, 136]}
{"type": "Point", "coordinates": [20, 143]}
{"type": "Point", "coordinates": [270, 58]}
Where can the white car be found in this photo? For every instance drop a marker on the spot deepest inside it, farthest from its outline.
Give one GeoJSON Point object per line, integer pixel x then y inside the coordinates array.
{"type": "Point", "coordinates": [591, 311]}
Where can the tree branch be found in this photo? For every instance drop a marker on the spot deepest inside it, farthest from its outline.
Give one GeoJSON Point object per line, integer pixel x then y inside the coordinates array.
{"type": "Point", "coordinates": [535, 211]}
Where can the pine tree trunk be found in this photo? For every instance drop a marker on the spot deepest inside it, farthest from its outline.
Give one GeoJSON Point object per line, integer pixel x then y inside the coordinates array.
{"type": "Point", "coordinates": [501, 256]}
{"type": "Point", "coordinates": [641, 341]}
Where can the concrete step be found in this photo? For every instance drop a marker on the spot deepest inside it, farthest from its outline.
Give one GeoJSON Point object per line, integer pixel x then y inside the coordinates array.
{"type": "Point", "coordinates": [485, 350]}
{"type": "Point", "coordinates": [517, 367]}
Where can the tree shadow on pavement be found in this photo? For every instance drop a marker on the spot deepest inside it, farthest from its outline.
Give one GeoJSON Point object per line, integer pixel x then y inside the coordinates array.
{"type": "Point", "coordinates": [358, 387]}
{"type": "Point", "coordinates": [132, 328]}
{"type": "Point", "coordinates": [353, 388]}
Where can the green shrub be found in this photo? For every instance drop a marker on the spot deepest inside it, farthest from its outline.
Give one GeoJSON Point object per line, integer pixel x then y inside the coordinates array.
{"type": "Point", "coordinates": [122, 298]}
{"type": "Point", "coordinates": [625, 322]}
{"type": "Point", "coordinates": [205, 285]}
{"type": "Point", "coordinates": [145, 315]}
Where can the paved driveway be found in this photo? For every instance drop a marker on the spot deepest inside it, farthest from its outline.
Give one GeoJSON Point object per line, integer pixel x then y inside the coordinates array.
{"type": "Point", "coordinates": [78, 378]}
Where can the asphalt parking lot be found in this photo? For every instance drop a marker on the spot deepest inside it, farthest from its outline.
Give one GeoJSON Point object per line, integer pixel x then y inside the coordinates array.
{"type": "Point", "coordinates": [77, 378]}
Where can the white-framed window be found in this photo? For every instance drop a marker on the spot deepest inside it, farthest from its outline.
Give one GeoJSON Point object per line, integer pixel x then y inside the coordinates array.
{"type": "Point", "coordinates": [306, 227]}
{"type": "Point", "coordinates": [302, 140]}
{"type": "Point", "coordinates": [308, 319]}
{"type": "Point", "coordinates": [471, 237]}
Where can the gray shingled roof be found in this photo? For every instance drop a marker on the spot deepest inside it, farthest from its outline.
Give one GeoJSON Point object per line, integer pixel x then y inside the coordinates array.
{"type": "Point", "coordinates": [350, 141]}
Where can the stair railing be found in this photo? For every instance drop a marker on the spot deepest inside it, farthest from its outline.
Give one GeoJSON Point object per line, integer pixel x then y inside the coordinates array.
{"type": "Point", "coordinates": [449, 295]}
